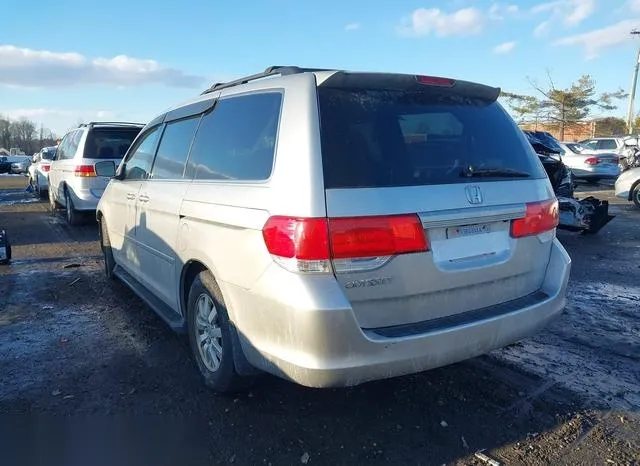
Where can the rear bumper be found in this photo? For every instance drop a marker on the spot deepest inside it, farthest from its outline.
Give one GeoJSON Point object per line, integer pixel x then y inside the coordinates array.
{"type": "Point", "coordinates": [310, 335]}
{"type": "Point", "coordinates": [85, 198]}
{"type": "Point", "coordinates": [610, 173]}
{"type": "Point", "coordinates": [43, 181]}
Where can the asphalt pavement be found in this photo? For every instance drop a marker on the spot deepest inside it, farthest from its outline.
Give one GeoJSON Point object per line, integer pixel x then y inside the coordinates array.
{"type": "Point", "coordinates": [89, 375]}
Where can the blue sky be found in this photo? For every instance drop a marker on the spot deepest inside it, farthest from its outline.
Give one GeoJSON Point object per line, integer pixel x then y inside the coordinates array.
{"type": "Point", "coordinates": [67, 60]}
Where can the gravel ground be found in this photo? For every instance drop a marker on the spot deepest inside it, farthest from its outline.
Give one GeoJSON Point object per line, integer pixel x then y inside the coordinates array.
{"type": "Point", "coordinates": [89, 375]}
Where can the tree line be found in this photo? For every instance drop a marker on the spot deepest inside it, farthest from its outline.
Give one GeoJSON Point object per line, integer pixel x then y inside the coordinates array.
{"type": "Point", "coordinates": [25, 135]}
{"type": "Point", "coordinates": [563, 107]}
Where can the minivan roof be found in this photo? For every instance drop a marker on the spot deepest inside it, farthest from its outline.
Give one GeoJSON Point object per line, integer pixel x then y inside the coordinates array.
{"type": "Point", "coordinates": [110, 123]}
{"type": "Point", "coordinates": [342, 78]}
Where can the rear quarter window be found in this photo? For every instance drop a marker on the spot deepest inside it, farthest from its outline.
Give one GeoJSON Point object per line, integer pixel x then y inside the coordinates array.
{"type": "Point", "coordinates": [237, 140]}
{"type": "Point", "coordinates": [386, 138]}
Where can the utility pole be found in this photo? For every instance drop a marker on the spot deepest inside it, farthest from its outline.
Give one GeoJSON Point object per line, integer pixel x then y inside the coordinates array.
{"type": "Point", "coordinates": [632, 94]}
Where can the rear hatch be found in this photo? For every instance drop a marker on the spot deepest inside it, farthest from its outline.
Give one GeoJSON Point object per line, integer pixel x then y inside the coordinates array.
{"type": "Point", "coordinates": [437, 204]}
{"type": "Point", "coordinates": [104, 143]}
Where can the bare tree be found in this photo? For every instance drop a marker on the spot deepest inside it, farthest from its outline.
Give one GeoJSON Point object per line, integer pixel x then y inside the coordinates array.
{"type": "Point", "coordinates": [24, 135]}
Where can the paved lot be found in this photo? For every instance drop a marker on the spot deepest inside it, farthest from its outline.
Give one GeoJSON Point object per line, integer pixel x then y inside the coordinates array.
{"type": "Point", "coordinates": [78, 346]}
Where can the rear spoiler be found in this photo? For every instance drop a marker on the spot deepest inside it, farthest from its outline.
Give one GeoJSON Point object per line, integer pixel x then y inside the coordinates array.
{"type": "Point", "coordinates": [407, 82]}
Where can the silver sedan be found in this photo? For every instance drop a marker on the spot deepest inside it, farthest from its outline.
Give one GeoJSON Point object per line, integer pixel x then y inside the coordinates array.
{"type": "Point", "coordinates": [588, 165]}
{"type": "Point", "coordinates": [628, 186]}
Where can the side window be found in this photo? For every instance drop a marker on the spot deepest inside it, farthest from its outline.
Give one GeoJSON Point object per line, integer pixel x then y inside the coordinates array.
{"type": "Point", "coordinates": [237, 140]}
{"type": "Point", "coordinates": [64, 144]}
{"type": "Point", "coordinates": [74, 143]}
{"type": "Point", "coordinates": [174, 149]}
{"type": "Point", "coordinates": [140, 158]}
{"type": "Point", "coordinates": [607, 144]}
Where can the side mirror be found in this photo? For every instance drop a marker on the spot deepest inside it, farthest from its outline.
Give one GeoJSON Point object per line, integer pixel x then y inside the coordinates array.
{"type": "Point", "coordinates": [106, 168]}
{"type": "Point", "coordinates": [121, 171]}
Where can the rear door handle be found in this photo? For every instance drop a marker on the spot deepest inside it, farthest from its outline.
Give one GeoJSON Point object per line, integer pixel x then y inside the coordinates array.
{"type": "Point", "coordinates": [143, 198]}
{"type": "Point", "coordinates": [131, 196]}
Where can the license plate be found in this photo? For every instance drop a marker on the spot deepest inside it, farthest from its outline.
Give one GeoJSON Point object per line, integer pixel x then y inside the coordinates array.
{"type": "Point", "coordinates": [468, 230]}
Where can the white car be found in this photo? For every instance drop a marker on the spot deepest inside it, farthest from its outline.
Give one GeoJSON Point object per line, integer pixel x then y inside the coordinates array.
{"type": "Point", "coordinates": [628, 186]}
{"type": "Point", "coordinates": [604, 145]}
{"type": "Point", "coordinates": [39, 170]}
{"type": "Point", "coordinates": [587, 164]}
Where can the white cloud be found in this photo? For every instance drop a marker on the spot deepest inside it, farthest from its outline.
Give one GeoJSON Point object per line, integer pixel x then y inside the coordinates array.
{"type": "Point", "coordinates": [426, 21]}
{"type": "Point", "coordinates": [633, 5]}
{"type": "Point", "coordinates": [42, 68]}
{"type": "Point", "coordinates": [570, 13]}
{"type": "Point", "coordinates": [542, 29]}
{"type": "Point", "coordinates": [499, 11]}
{"type": "Point", "coordinates": [353, 27]}
{"type": "Point", "coordinates": [594, 42]}
{"type": "Point", "coordinates": [503, 48]}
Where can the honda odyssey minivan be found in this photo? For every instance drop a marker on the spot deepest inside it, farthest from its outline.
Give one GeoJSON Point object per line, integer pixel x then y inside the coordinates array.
{"type": "Point", "coordinates": [334, 227]}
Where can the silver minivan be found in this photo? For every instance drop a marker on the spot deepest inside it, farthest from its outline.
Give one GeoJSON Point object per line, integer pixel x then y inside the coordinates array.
{"type": "Point", "coordinates": [73, 182]}
{"type": "Point", "coordinates": [333, 228]}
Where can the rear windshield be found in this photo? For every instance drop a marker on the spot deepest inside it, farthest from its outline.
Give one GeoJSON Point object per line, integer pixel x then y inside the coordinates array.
{"type": "Point", "coordinates": [384, 138]}
{"type": "Point", "coordinates": [109, 143]}
{"type": "Point", "coordinates": [48, 154]}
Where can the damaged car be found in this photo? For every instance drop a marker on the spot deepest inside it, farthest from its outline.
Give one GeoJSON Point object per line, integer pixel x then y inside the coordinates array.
{"type": "Point", "coordinates": [587, 215]}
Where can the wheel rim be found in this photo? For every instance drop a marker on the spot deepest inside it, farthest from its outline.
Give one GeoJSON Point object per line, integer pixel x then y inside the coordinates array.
{"type": "Point", "coordinates": [208, 332]}
{"type": "Point", "coordinates": [637, 196]}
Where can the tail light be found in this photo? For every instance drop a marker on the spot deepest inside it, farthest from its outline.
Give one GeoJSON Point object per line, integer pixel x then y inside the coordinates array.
{"type": "Point", "coordinates": [85, 170]}
{"type": "Point", "coordinates": [592, 161]}
{"type": "Point", "coordinates": [46, 168]}
{"type": "Point", "coordinates": [435, 81]}
{"type": "Point", "coordinates": [539, 218]}
{"type": "Point", "coordinates": [310, 244]}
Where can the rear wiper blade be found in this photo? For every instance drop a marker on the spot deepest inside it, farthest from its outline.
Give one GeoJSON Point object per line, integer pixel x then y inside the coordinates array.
{"type": "Point", "coordinates": [494, 172]}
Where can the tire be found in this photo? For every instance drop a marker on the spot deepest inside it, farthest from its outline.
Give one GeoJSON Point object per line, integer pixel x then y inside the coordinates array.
{"type": "Point", "coordinates": [72, 215]}
{"type": "Point", "coordinates": [107, 252]}
{"type": "Point", "coordinates": [635, 195]}
{"type": "Point", "coordinates": [215, 365]}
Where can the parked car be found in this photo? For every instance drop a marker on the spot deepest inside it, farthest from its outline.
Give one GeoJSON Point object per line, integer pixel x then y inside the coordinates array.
{"type": "Point", "coordinates": [39, 170]}
{"type": "Point", "coordinates": [589, 165]}
{"type": "Point", "coordinates": [628, 186]}
{"type": "Point", "coordinates": [587, 215]}
{"type": "Point", "coordinates": [605, 145]}
{"type": "Point", "coordinates": [20, 165]}
{"type": "Point", "coordinates": [5, 165]}
{"type": "Point", "coordinates": [73, 183]}
{"type": "Point", "coordinates": [333, 228]}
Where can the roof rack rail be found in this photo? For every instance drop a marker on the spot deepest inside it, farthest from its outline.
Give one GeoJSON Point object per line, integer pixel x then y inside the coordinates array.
{"type": "Point", "coordinates": [113, 123]}
{"type": "Point", "coordinates": [270, 71]}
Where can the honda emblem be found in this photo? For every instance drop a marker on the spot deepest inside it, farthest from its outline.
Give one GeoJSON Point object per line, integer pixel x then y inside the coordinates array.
{"type": "Point", "coordinates": [474, 195]}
